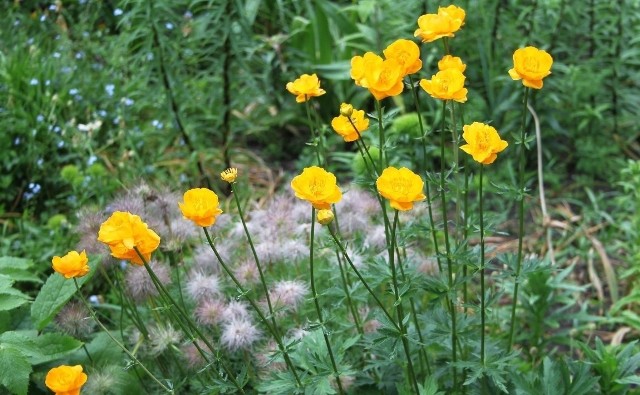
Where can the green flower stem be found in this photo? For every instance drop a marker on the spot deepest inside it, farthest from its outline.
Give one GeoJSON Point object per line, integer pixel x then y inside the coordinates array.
{"type": "Point", "coordinates": [520, 218]}
{"type": "Point", "coordinates": [362, 280]}
{"type": "Point", "coordinates": [364, 146]}
{"type": "Point", "coordinates": [398, 304]}
{"type": "Point", "coordinates": [381, 137]}
{"type": "Point", "coordinates": [186, 324]}
{"type": "Point", "coordinates": [317, 141]}
{"type": "Point", "coordinates": [314, 293]}
{"type": "Point", "coordinates": [452, 299]}
{"type": "Point", "coordinates": [345, 286]}
{"type": "Point", "coordinates": [465, 236]}
{"type": "Point", "coordinates": [131, 355]}
{"type": "Point", "coordinates": [482, 272]}
{"type": "Point", "coordinates": [424, 359]}
{"type": "Point", "coordinates": [423, 133]}
{"type": "Point", "coordinates": [255, 257]}
{"type": "Point", "coordinates": [253, 304]}
{"type": "Point", "coordinates": [456, 169]}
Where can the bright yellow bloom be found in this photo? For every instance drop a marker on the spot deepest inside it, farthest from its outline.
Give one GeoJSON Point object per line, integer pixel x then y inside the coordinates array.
{"type": "Point", "coordinates": [483, 142]}
{"type": "Point", "coordinates": [200, 206]}
{"type": "Point", "coordinates": [325, 217]}
{"type": "Point", "coordinates": [401, 186]}
{"type": "Point", "coordinates": [383, 77]}
{"type": "Point", "coordinates": [123, 232]}
{"type": "Point", "coordinates": [346, 129]}
{"type": "Point", "coordinates": [407, 53]}
{"type": "Point", "coordinates": [446, 85]}
{"type": "Point", "coordinates": [317, 186]}
{"type": "Point", "coordinates": [531, 65]}
{"type": "Point", "coordinates": [305, 87]}
{"type": "Point", "coordinates": [66, 380]}
{"type": "Point", "coordinates": [445, 23]}
{"type": "Point", "coordinates": [229, 175]}
{"type": "Point", "coordinates": [72, 264]}
{"type": "Point", "coordinates": [451, 62]}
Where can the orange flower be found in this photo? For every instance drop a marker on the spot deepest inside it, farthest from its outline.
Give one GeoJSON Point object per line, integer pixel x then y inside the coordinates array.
{"type": "Point", "coordinates": [345, 128]}
{"type": "Point", "coordinates": [407, 53]}
{"type": "Point", "coordinates": [66, 380]}
{"type": "Point", "coordinates": [382, 77]}
{"type": "Point", "coordinates": [123, 232]}
{"type": "Point", "coordinates": [401, 186]}
{"type": "Point", "coordinates": [317, 186]}
{"type": "Point", "coordinates": [531, 65]}
{"type": "Point", "coordinates": [483, 142]}
{"type": "Point", "coordinates": [451, 62]}
{"type": "Point", "coordinates": [200, 206]}
{"type": "Point", "coordinates": [445, 23]}
{"type": "Point", "coordinates": [305, 87]}
{"type": "Point", "coordinates": [72, 264]}
{"type": "Point", "coordinates": [446, 85]}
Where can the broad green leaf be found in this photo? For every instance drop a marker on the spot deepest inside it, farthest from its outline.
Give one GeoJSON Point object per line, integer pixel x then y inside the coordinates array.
{"type": "Point", "coordinates": [10, 302]}
{"type": "Point", "coordinates": [53, 346]}
{"type": "Point", "coordinates": [15, 263]}
{"type": "Point", "coordinates": [53, 295]}
{"type": "Point", "coordinates": [14, 370]}
{"type": "Point", "coordinates": [18, 274]}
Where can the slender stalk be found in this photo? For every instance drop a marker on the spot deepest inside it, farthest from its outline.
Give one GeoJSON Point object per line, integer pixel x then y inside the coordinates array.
{"type": "Point", "coordinates": [381, 137]}
{"type": "Point", "coordinates": [185, 323]}
{"type": "Point", "coordinates": [120, 345]}
{"type": "Point", "coordinates": [86, 351]}
{"type": "Point", "coordinates": [398, 303]}
{"type": "Point", "coordinates": [482, 272]}
{"type": "Point", "coordinates": [520, 219]}
{"type": "Point", "coordinates": [362, 280]}
{"type": "Point", "coordinates": [364, 146]}
{"type": "Point", "coordinates": [452, 299]}
{"type": "Point", "coordinates": [345, 286]}
{"type": "Point", "coordinates": [423, 133]}
{"type": "Point", "coordinates": [316, 140]}
{"type": "Point", "coordinates": [255, 257]}
{"type": "Point", "coordinates": [314, 293]}
{"type": "Point", "coordinates": [253, 304]}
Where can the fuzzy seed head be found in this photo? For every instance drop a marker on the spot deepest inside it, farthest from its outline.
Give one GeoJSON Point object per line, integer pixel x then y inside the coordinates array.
{"type": "Point", "coordinates": [239, 334]}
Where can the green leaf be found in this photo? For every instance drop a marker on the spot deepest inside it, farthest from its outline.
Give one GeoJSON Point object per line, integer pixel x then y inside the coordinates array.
{"type": "Point", "coordinates": [18, 274]}
{"type": "Point", "coordinates": [53, 295]}
{"type": "Point", "coordinates": [40, 349]}
{"type": "Point", "coordinates": [15, 263]}
{"type": "Point", "coordinates": [14, 370]}
{"type": "Point", "coordinates": [10, 302]}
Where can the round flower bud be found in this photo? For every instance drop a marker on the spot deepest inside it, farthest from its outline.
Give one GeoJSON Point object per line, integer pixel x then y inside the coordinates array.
{"type": "Point", "coordinates": [229, 175]}
{"type": "Point", "coordinates": [346, 110]}
{"type": "Point", "coordinates": [325, 217]}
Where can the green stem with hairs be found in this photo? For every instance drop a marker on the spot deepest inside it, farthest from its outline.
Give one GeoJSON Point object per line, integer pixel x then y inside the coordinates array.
{"type": "Point", "coordinates": [482, 272]}
{"type": "Point", "coordinates": [314, 294]}
{"type": "Point", "coordinates": [381, 137]}
{"type": "Point", "coordinates": [398, 304]}
{"type": "Point", "coordinates": [120, 345]}
{"type": "Point", "coordinates": [520, 219]}
{"type": "Point", "coordinates": [452, 299]}
{"type": "Point", "coordinates": [253, 304]}
{"type": "Point", "coordinates": [317, 143]}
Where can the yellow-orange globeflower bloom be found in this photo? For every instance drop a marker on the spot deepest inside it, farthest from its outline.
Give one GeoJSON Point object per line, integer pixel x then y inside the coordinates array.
{"type": "Point", "coordinates": [66, 380]}
{"type": "Point", "coordinates": [405, 52]}
{"type": "Point", "coordinates": [317, 186]}
{"type": "Point", "coordinates": [383, 77]}
{"type": "Point", "coordinates": [72, 265]}
{"type": "Point", "coordinates": [445, 23]}
{"type": "Point", "coordinates": [201, 206]}
{"type": "Point", "coordinates": [446, 85]}
{"type": "Point", "coordinates": [229, 175]}
{"type": "Point", "coordinates": [349, 130]}
{"type": "Point", "coordinates": [401, 187]}
{"type": "Point", "coordinates": [305, 87]}
{"type": "Point", "coordinates": [123, 232]}
{"type": "Point", "coordinates": [483, 142]}
{"type": "Point", "coordinates": [531, 65]}
{"type": "Point", "coordinates": [451, 62]}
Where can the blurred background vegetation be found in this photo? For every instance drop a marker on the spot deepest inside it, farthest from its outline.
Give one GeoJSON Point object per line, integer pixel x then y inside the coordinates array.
{"type": "Point", "coordinates": [96, 95]}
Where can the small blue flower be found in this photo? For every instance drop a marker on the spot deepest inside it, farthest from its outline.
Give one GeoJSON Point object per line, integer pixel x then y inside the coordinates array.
{"type": "Point", "coordinates": [118, 12]}
{"type": "Point", "coordinates": [169, 25]}
{"type": "Point", "coordinates": [56, 55]}
{"type": "Point", "coordinates": [128, 102]}
{"type": "Point", "coordinates": [92, 159]}
{"type": "Point", "coordinates": [40, 118]}
{"type": "Point", "coordinates": [34, 81]}
{"type": "Point", "coordinates": [73, 91]}
{"type": "Point", "coordinates": [109, 88]}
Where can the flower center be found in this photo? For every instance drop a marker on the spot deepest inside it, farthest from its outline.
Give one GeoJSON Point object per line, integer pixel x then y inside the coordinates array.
{"type": "Point", "coordinates": [317, 186]}
{"type": "Point", "coordinates": [531, 64]}
{"type": "Point", "coordinates": [400, 186]}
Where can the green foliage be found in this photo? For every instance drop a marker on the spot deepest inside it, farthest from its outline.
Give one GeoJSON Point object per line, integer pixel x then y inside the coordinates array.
{"type": "Point", "coordinates": [617, 366]}
{"type": "Point", "coordinates": [54, 294]}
